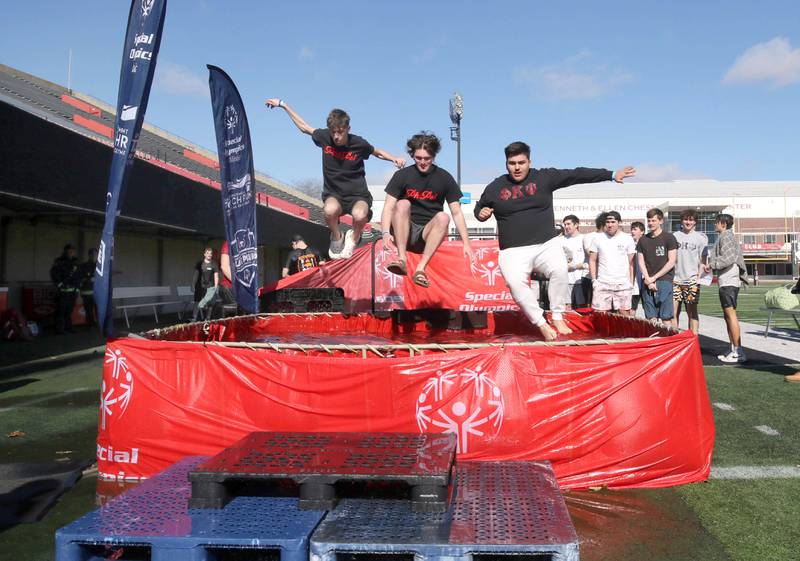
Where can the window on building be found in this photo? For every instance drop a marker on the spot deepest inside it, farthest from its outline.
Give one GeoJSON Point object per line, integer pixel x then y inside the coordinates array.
{"type": "Point", "coordinates": [748, 238]}
{"type": "Point", "coordinates": [770, 269]}
{"type": "Point", "coordinates": [771, 238]}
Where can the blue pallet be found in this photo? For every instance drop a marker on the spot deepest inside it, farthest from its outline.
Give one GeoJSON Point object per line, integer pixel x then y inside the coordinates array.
{"type": "Point", "coordinates": [501, 509]}
{"type": "Point", "coordinates": [153, 522]}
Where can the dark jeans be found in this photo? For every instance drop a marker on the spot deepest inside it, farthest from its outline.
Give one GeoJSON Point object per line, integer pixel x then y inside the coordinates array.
{"type": "Point", "coordinates": [90, 309]}
{"type": "Point", "coordinates": [65, 302]}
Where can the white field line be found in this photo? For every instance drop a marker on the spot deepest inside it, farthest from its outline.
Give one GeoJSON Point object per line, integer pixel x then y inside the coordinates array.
{"type": "Point", "coordinates": [755, 472]}
{"type": "Point", "coordinates": [769, 431]}
{"type": "Point", "coordinates": [724, 406]}
{"type": "Point", "coordinates": [41, 399]}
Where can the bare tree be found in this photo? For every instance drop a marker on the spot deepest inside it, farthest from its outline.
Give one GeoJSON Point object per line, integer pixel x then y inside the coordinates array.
{"type": "Point", "coordinates": [311, 186]}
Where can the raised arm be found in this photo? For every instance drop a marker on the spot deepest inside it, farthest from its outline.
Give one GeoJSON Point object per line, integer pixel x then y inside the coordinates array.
{"type": "Point", "coordinates": [567, 177]}
{"type": "Point", "coordinates": [296, 119]}
{"type": "Point", "coordinates": [461, 226]}
{"type": "Point", "coordinates": [384, 155]}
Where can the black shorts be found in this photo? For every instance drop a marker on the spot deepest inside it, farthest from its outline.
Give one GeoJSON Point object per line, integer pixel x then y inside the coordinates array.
{"type": "Point", "coordinates": [728, 296]}
{"type": "Point", "coordinates": [581, 296]}
{"type": "Point", "coordinates": [415, 243]}
{"type": "Point", "coordinates": [347, 202]}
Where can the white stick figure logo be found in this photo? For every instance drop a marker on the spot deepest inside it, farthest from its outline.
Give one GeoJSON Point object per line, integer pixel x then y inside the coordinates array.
{"type": "Point", "coordinates": [116, 394]}
{"type": "Point", "coordinates": [231, 117]}
{"type": "Point", "coordinates": [383, 258]}
{"type": "Point", "coordinates": [486, 265]}
{"type": "Point", "coordinates": [444, 401]}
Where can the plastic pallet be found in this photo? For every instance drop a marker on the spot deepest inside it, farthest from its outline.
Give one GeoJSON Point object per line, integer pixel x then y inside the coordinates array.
{"type": "Point", "coordinates": [317, 461]}
{"type": "Point", "coordinates": [152, 522]}
{"type": "Point", "coordinates": [501, 510]}
{"type": "Point", "coordinates": [301, 300]}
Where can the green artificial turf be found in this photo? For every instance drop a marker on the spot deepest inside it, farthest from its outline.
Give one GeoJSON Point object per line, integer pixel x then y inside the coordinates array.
{"type": "Point", "coordinates": [750, 300]}
{"type": "Point", "coordinates": [754, 520]}
{"type": "Point", "coordinates": [760, 397]}
{"type": "Point", "coordinates": [55, 404]}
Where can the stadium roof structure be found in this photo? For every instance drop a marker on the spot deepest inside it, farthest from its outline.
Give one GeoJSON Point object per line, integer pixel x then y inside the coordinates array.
{"type": "Point", "coordinates": [80, 124]}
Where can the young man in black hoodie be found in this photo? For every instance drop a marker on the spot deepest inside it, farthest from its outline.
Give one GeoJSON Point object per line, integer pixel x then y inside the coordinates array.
{"type": "Point", "coordinates": [522, 203]}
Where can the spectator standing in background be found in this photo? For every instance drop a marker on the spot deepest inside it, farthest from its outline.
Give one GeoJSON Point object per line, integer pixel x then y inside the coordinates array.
{"type": "Point", "coordinates": [727, 262]}
{"type": "Point", "coordinates": [689, 265]}
{"type": "Point", "coordinates": [65, 274]}
{"type": "Point", "coordinates": [206, 281]}
{"type": "Point", "coordinates": [301, 258]}
{"type": "Point", "coordinates": [637, 231]}
{"type": "Point", "coordinates": [87, 286]}
{"type": "Point", "coordinates": [657, 251]}
{"type": "Point", "coordinates": [580, 284]}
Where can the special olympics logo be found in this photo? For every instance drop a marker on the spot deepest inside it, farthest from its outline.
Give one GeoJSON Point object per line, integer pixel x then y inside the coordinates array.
{"type": "Point", "coordinates": [231, 117]}
{"type": "Point", "coordinates": [385, 256]}
{"type": "Point", "coordinates": [116, 396]}
{"type": "Point", "coordinates": [486, 265]}
{"type": "Point", "coordinates": [459, 403]}
{"type": "Point", "coordinates": [147, 7]}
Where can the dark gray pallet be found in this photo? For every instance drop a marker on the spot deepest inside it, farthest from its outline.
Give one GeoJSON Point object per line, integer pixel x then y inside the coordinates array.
{"type": "Point", "coordinates": [501, 510]}
{"type": "Point", "coordinates": [152, 522]}
{"type": "Point", "coordinates": [316, 462]}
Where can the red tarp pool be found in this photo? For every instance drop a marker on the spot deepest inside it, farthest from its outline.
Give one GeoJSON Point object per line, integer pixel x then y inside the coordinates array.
{"type": "Point", "coordinates": [619, 403]}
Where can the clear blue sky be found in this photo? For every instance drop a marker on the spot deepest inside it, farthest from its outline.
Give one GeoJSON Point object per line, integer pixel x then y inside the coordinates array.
{"type": "Point", "coordinates": [680, 89]}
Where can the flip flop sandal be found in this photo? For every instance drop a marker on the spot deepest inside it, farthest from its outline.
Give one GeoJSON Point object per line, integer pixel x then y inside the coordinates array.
{"type": "Point", "coordinates": [420, 279]}
{"type": "Point", "coordinates": [397, 267]}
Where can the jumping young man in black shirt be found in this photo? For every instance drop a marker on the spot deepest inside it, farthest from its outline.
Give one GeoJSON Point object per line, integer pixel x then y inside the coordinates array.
{"type": "Point", "coordinates": [414, 208]}
{"type": "Point", "coordinates": [522, 203]}
{"type": "Point", "coordinates": [344, 188]}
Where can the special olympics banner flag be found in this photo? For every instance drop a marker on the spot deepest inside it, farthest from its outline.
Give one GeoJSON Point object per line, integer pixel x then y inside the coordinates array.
{"type": "Point", "coordinates": [238, 186]}
{"type": "Point", "coordinates": [142, 41]}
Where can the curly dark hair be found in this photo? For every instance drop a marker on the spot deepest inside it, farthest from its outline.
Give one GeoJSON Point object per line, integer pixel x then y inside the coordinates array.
{"type": "Point", "coordinates": [424, 140]}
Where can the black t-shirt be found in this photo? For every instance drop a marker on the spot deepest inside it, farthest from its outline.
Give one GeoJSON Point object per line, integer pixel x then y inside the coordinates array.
{"type": "Point", "coordinates": [427, 192]}
{"type": "Point", "coordinates": [207, 271]}
{"type": "Point", "coordinates": [524, 210]}
{"type": "Point", "coordinates": [343, 166]}
{"type": "Point", "coordinates": [302, 259]}
{"type": "Point", "coordinates": [656, 252]}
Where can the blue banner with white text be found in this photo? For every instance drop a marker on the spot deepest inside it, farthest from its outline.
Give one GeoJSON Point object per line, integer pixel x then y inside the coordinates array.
{"type": "Point", "coordinates": [142, 41]}
{"type": "Point", "coordinates": [238, 186]}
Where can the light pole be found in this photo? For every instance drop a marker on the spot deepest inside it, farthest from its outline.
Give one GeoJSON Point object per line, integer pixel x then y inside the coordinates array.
{"type": "Point", "coordinates": [456, 114]}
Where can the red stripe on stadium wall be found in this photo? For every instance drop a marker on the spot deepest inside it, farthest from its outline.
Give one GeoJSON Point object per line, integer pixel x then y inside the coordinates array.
{"type": "Point", "coordinates": [94, 126]}
{"type": "Point", "coordinates": [200, 159]}
{"type": "Point", "coordinates": [287, 207]}
{"type": "Point", "coordinates": [82, 105]}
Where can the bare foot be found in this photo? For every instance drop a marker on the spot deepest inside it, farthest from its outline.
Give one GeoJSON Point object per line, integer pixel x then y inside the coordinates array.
{"type": "Point", "coordinates": [561, 327]}
{"type": "Point", "coordinates": [548, 332]}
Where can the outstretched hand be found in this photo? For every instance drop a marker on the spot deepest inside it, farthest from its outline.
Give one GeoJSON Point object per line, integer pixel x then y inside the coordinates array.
{"type": "Point", "coordinates": [273, 102]}
{"type": "Point", "coordinates": [400, 163]}
{"type": "Point", "coordinates": [628, 171]}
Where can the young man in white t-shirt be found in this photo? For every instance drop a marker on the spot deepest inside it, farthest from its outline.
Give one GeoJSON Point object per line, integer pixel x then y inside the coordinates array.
{"type": "Point", "coordinates": [611, 267]}
{"type": "Point", "coordinates": [580, 286]}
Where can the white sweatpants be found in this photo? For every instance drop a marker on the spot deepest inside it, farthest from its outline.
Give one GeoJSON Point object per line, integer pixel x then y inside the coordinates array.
{"type": "Point", "coordinates": [548, 259]}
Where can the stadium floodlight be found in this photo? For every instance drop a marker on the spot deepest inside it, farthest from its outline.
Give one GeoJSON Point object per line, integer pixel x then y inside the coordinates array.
{"type": "Point", "coordinates": [456, 114]}
{"type": "Point", "coordinates": [456, 108]}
